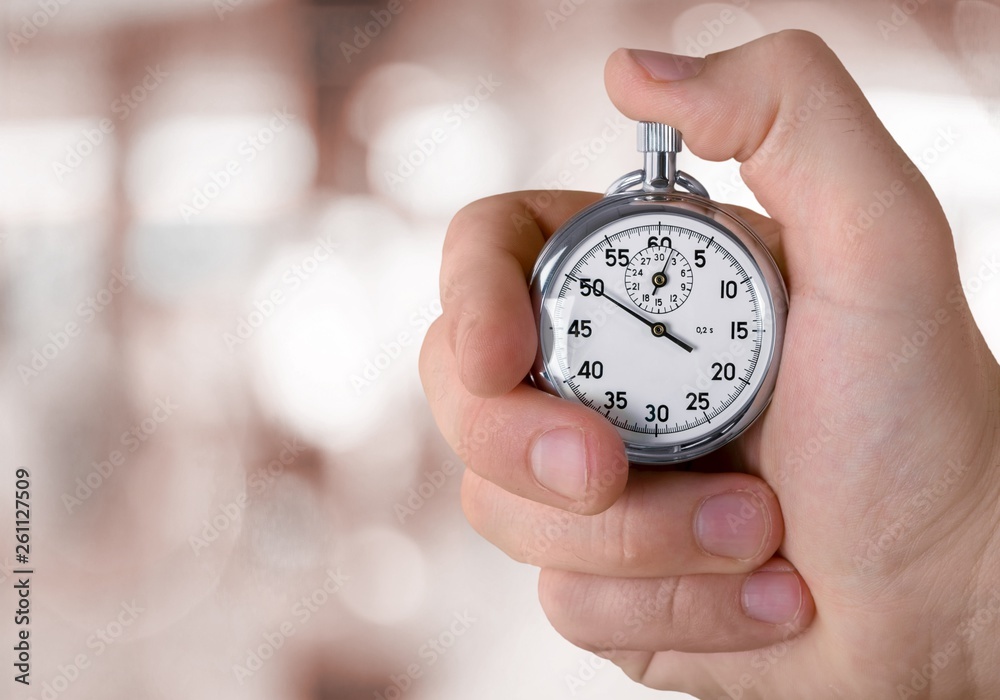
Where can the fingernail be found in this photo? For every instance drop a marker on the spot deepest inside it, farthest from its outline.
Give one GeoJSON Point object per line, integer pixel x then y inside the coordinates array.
{"type": "Point", "coordinates": [772, 596]}
{"type": "Point", "coordinates": [559, 461]}
{"type": "Point", "coordinates": [734, 524]}
{"type": "Point", "coordinates": [667, 66]}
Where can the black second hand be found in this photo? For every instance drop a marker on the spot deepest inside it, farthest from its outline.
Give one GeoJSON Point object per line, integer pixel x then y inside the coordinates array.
{"type": "Point", "coordinates": [649, 323]}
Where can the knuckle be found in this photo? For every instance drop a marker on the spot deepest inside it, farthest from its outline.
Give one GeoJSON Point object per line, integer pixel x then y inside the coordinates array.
{"type": "Point", "coordinates": [524, 552]}
{"type": "Point", "coordinates": [484, 507]}
{"type": "Point", "coordinates": [452, 291]}
{"type": "Point", "coordinates": [467, 219]}
{"type": "Point", "coordinates": [796, 43]}
{"type": "Point", "coordinates": [530, 547]}
{"type": "Point", "coordinates": [464, 221]}
{"type": "Point", "coordinates": [474, 430]}
{"type": "Point", "coordinates": [427, 362]}
{"type": "Point", "coordinates": [796, 54]}
{"type": "Point", "coordinates": [623, 542]}
{"type": "Point", "coordinates": [665, 605]}
{"type": "Point", "coordinates": [548, 537]}
{"type": "Point", "coordinates": [554, 595]}
{"type": "Point", "coordinates": [474, 503]}
{"type": "Point", "coordinates": [672, 604]}
{"type": "Point", "coordinates": [459, 223]}
{"type": "Point", "coordinates": [567, 599]}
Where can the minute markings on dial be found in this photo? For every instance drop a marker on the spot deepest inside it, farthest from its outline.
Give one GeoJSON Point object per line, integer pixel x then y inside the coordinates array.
{"type": "Point", "coordinates": [589, 267]}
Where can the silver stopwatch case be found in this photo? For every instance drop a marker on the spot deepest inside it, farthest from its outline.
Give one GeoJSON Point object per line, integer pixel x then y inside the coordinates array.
{"type": "Point", "coordinates": [653, 190]}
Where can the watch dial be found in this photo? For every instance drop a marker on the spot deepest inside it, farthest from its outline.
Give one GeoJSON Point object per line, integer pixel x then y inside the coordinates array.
{"type": "Point", "coordinates": [661, 322]}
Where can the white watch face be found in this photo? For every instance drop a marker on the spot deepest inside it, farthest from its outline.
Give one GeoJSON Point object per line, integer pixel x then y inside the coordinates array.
{"type": "Point", "coordinates": [663, 323]}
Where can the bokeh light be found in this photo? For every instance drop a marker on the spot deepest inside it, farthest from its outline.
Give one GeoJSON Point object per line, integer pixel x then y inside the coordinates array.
{"type": "Point", "coordinates": [278, 202]}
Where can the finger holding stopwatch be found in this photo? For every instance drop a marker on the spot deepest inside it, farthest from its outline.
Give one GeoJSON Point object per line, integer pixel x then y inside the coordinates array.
{"type": "Point", "coordinates": [664, 524]}
{"type": "Point", "coordinates": [699, 613]}
{"type": "Point", "coordinates": [529, 443]}
{"type": "Point", "coordinates": [710, 107]}
{"type": "Point", "coordinates": [489, 251]}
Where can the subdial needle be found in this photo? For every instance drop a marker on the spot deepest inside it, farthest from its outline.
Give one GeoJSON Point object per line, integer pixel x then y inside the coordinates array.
{"type": "Point", "coordinates": [660, 278]}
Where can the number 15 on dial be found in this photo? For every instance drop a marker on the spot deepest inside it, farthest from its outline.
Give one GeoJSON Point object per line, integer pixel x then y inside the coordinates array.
{"type": "Point", "coordinates": [664, 313]}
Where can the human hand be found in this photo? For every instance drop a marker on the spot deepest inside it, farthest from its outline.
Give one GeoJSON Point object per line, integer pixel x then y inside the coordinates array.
{"type": "Point", "coordinates": [876, 576]}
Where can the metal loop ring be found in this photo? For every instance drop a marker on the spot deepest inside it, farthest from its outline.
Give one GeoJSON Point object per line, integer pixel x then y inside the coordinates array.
{"type": "Point", "coordinates": [630, 180]}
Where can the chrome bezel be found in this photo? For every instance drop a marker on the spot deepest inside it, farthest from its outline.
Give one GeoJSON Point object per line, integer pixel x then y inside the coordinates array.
{"type": "Point", "coordinates": [564, 244]}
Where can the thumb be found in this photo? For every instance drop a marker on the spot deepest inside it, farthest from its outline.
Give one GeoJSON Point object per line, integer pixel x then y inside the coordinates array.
{"type": "Point", "coordinates": [860, 224]}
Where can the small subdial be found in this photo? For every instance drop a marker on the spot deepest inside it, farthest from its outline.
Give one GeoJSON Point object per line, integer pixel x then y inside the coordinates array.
{"type": "Point", "coordinates": [658, 279]}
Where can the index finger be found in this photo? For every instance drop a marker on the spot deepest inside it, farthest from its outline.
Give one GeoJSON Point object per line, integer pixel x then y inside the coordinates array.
{"type": "Point", "coordinates": [488, 256]}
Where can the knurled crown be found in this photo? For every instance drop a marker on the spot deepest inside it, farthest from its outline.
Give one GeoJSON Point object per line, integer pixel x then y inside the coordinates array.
{"type": "Point", "coordinates": [660, 138]}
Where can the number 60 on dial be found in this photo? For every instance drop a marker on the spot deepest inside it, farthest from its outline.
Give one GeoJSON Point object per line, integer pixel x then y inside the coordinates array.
{"type": "Point", "coordinates": [661, 311]}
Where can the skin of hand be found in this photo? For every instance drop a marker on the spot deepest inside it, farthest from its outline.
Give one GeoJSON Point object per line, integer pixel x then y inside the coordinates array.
{"type": "Point", "coordinates": [878, 576]}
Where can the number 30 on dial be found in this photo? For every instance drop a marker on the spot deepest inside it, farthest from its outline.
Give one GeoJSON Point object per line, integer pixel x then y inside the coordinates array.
{"type": "Point", "coordinates": [666, 317]}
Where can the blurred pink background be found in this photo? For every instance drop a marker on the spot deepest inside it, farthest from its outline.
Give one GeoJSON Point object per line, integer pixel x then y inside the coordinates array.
{"type": "Point", "coordinates": [220, 225]}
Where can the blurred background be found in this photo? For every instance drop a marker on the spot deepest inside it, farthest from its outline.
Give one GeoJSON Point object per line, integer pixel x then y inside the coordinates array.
{"type": "Point", "coordinates": [220, 231]}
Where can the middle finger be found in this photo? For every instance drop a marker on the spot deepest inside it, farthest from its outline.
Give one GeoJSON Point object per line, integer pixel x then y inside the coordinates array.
{"type": "Point", "coordinates": [664, 524]}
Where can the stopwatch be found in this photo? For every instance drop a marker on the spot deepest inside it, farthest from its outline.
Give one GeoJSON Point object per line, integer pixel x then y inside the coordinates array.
{"type": "Point", "coordinates": [661, 310]}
